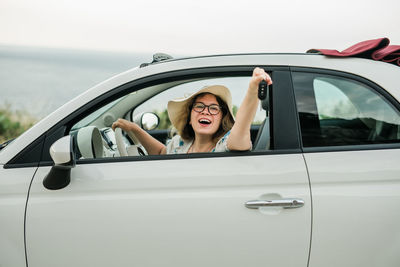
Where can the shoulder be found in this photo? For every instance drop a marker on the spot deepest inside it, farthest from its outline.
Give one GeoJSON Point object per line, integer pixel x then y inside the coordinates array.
{"type": "Point", "coordinates": [221, 145]}
{"type": "Point", "coordinates": [177, 145]}
{"type": "Point", "coordinates": [176, 141]}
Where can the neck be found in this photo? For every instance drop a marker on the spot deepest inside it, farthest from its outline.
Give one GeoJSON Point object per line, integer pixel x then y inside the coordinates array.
{"type": "Point", "coordinates": [202, 144]}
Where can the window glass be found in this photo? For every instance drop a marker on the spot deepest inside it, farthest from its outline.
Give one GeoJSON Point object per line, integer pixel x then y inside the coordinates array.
{"type": "Point", "coordinates": [339, 111]}
{"type": "Point", "coordinates": [332, 102]}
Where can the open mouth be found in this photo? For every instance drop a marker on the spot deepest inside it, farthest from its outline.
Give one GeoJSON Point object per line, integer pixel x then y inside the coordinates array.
{"type": "Point", "coordinates": [204, 121]}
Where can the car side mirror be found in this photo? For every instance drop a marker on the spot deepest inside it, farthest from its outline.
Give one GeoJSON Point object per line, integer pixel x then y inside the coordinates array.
{"type": "Point", "coordinates": [64, 160]}
{"type": "Point", "coordinates": [150, 121]}
{"type": "Point", "coordinates": [147, 120]}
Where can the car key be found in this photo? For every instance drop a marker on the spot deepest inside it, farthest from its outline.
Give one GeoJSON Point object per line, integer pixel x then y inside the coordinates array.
{"type": "Point", "coordinates": [262, 90]}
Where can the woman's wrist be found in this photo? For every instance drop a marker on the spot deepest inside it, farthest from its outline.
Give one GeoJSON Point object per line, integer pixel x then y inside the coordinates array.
{"type": "Point", "coordinates": [252, 92]}
{"type": "Point", "coordinates": [134, 127]}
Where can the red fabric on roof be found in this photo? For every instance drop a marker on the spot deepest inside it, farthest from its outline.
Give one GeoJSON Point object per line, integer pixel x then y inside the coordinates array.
{"type": "Point", "coordinates": [377, 49]}
{"type": "Point", "coordinates": [389, 54]}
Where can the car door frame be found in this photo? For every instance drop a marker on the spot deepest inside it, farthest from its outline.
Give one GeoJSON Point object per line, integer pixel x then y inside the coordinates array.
{"type": "Point", "coordinates": [285, 136]}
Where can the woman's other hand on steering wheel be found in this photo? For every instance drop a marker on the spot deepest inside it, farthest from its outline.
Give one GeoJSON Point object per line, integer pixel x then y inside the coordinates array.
{"type": "Point", "coordinates": [124, 125]}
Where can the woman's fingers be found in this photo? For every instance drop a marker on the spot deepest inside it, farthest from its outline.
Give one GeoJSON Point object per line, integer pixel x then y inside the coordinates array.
{"type": "Point", "coordinates": [259, 74]}
{"type": "Point", "coordinates": [120, 123]}
{"type": "Point", "coordinates": [114, 125]}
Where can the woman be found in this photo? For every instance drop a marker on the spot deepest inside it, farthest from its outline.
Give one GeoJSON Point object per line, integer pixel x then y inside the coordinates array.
{"type": "Point", "coordinates": [204, 121]}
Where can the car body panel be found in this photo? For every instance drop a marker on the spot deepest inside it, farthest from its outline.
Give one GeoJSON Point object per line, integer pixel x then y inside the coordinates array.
{"type": "Point", "coordinates": [187, 212]}
{"type": "Point", "coordinates": [355, 207]}
{"type": "Point", "coordinates": [14, 185]}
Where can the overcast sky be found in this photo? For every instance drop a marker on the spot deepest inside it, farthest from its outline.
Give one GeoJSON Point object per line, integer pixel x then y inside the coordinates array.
{"type": "Point", "coordinates": [197, 27]}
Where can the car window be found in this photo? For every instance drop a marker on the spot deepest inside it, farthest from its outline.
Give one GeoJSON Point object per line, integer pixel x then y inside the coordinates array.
{"type": "Point", "coordinates": [96, 139]}
{"type": "Point", "coordinates": [337, 111]}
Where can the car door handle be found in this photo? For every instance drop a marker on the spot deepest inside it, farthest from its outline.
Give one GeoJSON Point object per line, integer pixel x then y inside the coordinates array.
{"type": "Point", "coordinates": [286, 203]}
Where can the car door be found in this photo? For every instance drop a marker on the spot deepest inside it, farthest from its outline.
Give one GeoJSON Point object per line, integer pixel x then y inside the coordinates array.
{"type": "Point", "coordinates": [350, 133]}
{"type": "Point", "coordinates": [180, 210]}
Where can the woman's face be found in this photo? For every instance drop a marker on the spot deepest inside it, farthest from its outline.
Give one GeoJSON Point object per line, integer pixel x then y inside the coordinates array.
{"type": "Point", "coordinates": [204, 122]}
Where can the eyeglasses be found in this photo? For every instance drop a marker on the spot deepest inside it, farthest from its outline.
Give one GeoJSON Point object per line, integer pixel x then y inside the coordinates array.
{"type": "Point", "coordinates": [213, 109]}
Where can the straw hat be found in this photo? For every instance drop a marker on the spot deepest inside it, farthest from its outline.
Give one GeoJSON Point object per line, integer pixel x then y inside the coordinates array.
{"type": "Point", "coordinates": [178, 109]}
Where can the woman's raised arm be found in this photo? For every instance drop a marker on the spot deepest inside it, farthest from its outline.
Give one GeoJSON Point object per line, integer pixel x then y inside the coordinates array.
{"type": "Point", "coordinates": [239, 138]}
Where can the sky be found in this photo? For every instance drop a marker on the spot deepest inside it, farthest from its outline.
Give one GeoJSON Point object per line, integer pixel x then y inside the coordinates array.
{"type": "Point", "coordinates": [187, 27]}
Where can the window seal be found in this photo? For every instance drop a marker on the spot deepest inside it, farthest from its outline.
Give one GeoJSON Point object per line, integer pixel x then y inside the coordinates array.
{"type": "Point", "coordinates": [187, 156]}
{"type": "Point", "coordinates": [351, 148]}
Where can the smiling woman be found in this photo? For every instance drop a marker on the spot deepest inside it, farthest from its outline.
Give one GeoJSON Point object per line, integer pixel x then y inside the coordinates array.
{"type": "Point", "coordinates": [203, 121]}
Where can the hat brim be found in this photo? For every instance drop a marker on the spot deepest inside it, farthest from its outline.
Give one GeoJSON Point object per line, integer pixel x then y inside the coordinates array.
{"type": "Point", "coordinates": [178, 109]}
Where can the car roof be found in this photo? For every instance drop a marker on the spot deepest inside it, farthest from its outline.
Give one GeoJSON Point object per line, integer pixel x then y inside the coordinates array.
{"type": "Point", "coordinates": [383, 74]}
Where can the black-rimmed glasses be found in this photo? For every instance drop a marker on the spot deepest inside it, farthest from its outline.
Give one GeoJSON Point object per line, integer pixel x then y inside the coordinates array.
{"type": "Point", "coordinates": [213, 109]}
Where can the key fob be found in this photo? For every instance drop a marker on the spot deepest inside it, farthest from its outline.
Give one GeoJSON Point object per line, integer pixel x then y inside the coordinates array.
{"type": "Point", "coordinates": [262, 90]}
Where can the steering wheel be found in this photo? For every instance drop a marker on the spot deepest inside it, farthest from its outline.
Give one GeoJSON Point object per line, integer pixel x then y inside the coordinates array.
{"type": "Point", "coordinates": [132, 150]}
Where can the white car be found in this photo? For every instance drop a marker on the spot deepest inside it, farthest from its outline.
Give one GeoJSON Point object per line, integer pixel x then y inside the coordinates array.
{"type": "Point", "coordinates": [319, 188]}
